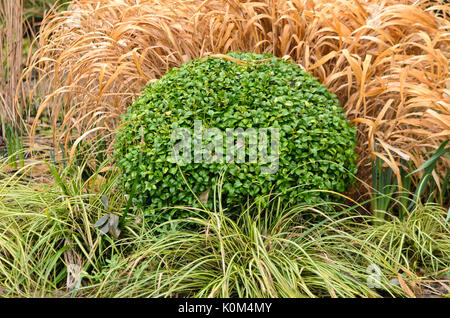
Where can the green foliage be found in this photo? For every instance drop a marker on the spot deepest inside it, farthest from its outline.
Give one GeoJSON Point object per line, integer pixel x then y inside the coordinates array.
{"type": "Point", "coordinates": [271, 251]}
{"type": "Point", "coordinates": [418, 240]}
{"type": "Point", "coordinates": [37, 8]}
{"type": "Point", "coordinates": [261, 255]}
{"type": "Point", "coordinates": [316, 149]}
{"type": "Point", "coordinates": [43, 224]}
{"type": "Point", "coordinates": [428, 167]}
{"type": "Point", "coordinates": [14, 146]}
{"type": "Point", "coordinates": [390, 198]}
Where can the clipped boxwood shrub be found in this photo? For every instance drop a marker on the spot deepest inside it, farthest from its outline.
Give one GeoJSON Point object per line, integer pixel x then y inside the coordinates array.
{"type": "Point", "coordinates": [316, 142]}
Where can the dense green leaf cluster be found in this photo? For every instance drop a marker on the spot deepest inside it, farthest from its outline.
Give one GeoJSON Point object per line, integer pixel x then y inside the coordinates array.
{"type": "Point", "coordinates": [316, 143]}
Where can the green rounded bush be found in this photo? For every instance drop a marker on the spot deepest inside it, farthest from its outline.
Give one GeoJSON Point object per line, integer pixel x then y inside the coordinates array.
{"type": "Point", "coordinates": [315, 148]}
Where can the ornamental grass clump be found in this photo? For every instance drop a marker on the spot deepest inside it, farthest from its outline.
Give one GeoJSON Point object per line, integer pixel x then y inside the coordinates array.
{"type": "Point", "coordinates": [387, 62]}
{"type": "Point", "coordinates": [251, 124]}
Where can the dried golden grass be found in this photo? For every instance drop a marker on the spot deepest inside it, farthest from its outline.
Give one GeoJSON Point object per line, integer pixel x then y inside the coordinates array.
{"type": "Point", "coordinates": [387, 61]}
{"type": "Point", "coordinates": [11, 33]}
